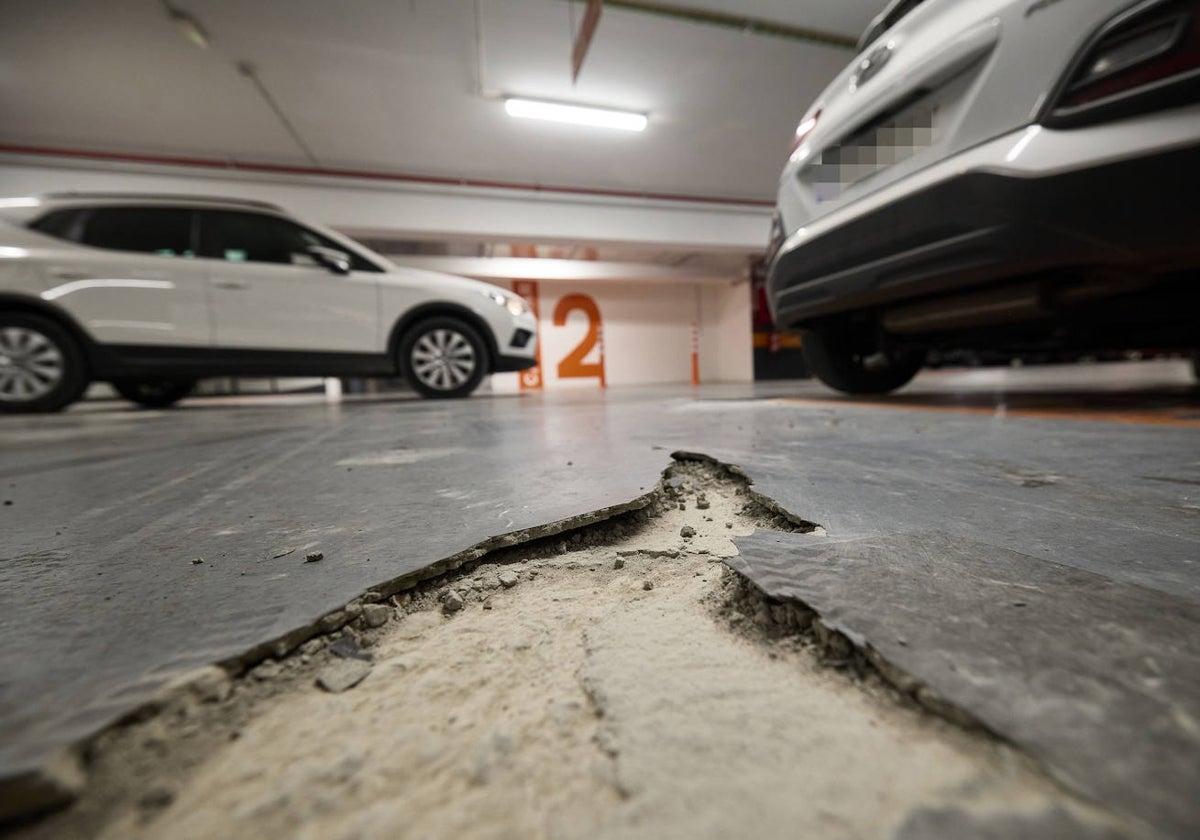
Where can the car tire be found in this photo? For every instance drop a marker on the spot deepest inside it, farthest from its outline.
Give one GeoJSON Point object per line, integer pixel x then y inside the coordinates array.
{"type": "Point", "coordinates": [847, 366]}
{"type": "Point", "coordinates": [443, 358]}
{"type": "Point", "coordinates": [154, 393]}
{"type": "Point", "coordinates": [42, 368]}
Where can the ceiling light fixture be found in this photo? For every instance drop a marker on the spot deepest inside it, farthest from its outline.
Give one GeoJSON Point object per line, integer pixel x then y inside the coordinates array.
{"type": "Point", "coordinates": [538, 109]}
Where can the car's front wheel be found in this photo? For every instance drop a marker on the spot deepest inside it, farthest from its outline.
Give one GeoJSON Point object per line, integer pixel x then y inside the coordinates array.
{"type": "Point", "coordinates": [154, 393]}
{"type": "Point", "coordinates": [443, 357]}
{"type": "Point", "coordinates": [856, 366]}
{"type": "Point", "coordinates": [41, 365]}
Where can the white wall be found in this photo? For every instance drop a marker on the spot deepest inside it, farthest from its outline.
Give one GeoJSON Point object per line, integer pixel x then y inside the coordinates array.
{"type": "Point", "coordinates": [727, 332]}
{"type": "Point", "coordinates": [647, 333]}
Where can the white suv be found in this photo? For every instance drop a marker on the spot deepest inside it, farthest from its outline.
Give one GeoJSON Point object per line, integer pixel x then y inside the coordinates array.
{"type": "Point", "coordinates": [1016, 175]}
{"type": "Point", "coordinates": [151, 293]}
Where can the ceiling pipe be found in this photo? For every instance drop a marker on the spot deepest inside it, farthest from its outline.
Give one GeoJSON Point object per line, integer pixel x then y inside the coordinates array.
{"type": "Point", "coordinates": [195, 32]}
{"type": "Point", "coordinates": [247, 69]}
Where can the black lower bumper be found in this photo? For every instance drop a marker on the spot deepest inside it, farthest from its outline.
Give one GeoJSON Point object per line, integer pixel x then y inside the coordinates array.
{"type": "Point", "coordinates": [981, 227]}
{"type": "Point", "coordinates": [507, 364]}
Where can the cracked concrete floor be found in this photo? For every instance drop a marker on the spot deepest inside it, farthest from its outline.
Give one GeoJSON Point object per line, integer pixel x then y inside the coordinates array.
{"type": "Point", "coordinates": [101, 606]}
{"type": "Point", "coordinates": [619, 688]}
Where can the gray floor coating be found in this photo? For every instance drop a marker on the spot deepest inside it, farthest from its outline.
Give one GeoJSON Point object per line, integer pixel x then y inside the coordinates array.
{"type": "Point", "coordinates": [1097, 678]}
{"type": "Point", "coordinates": [100, 602]}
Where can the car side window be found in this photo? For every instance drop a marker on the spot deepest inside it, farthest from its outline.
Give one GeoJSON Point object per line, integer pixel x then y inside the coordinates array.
{"type": "Point", "coordinates": [166, 231]}
{"type": "Point", "coordinates": [255, 237]}
{"type": "Point", "coordinates": [63, 224]}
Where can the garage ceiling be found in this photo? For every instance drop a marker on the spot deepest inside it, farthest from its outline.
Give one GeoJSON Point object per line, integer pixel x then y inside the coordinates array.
{"type": "Point", "coordinates": [399, 86]}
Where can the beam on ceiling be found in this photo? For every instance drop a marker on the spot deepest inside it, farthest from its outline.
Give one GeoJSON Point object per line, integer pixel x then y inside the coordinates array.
{"type": "Point", "coordinates": [528, 268]}
{"type": "Point", "coordinates": [343, 173]}
{"type": "Point", "coordinates": [583, 40]}
{"type": "Point", "coordinates": [414, 209]}
{"type": "Point", "coordinates": [739, 22]}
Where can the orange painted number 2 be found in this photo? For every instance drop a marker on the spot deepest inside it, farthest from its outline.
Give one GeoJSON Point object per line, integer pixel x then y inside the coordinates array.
{"type": "Point", "coordinates": [574, 366]}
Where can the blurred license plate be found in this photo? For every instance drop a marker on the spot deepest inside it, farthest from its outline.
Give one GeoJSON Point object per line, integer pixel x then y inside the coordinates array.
{"type": "Point", "coordinates": [885, 144]}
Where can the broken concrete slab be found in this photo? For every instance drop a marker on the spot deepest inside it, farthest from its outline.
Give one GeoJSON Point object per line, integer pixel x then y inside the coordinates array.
{"type": "Point", "coordinates": [1096, 678]}
{"type": "Point", "coordinates": [670, 681]}
{"type": "Point", "coordinates": [952, 823]}
{"type": "Point", "coordinates": [343, 674]}
{"type": "Point", "coordinates": [376, 615]}
{"type": "Point", "coordinates": [347, 648]}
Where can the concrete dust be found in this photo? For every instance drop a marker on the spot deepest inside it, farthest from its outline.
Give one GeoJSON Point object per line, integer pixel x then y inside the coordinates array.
{"type": "Point", "coordinates": [619, 682]}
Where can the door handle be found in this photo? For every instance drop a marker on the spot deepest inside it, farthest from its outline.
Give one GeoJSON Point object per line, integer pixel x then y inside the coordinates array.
{"type": "Point", "coordinates": [237, 285]}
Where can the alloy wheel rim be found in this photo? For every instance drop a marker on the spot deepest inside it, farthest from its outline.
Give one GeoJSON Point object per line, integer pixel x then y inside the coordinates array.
{"type": "Point", "coordinates": [443, 359]}
{"type": "Point", "coordinates": [31, 365]}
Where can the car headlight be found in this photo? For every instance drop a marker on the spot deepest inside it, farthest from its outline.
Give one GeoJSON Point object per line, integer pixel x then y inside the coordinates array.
{"type": "Point", "coordinates": [515, 305]}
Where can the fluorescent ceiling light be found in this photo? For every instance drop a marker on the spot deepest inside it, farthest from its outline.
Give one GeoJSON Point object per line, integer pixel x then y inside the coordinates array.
{"type": "Point", "coordinates": [536, 109]}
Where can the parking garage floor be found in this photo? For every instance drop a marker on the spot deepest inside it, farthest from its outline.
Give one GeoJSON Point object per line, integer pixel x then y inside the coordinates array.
{"type": "Point", "coordinates": [1022, 546]}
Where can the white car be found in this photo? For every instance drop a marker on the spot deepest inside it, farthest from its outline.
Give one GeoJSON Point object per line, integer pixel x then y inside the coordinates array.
{"type": "Point", "coordinates": [151, 293]}
{"type": "Point", "coordinates": [1013, 175]}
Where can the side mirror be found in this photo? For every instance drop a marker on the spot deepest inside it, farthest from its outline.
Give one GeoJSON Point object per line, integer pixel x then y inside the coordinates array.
{"type": "Point", "coordinates": [336, 261]}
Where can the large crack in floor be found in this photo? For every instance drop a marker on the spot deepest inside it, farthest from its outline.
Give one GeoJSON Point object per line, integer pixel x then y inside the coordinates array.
{"type": "Point", "coordinates": [615, 680]}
